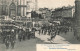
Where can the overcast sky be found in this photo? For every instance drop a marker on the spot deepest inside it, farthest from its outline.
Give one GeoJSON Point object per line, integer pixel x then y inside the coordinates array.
{"type": "Point", "coordinates": [54, 3]}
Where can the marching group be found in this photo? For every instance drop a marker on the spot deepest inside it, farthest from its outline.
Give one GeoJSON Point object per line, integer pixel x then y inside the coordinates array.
{"type": "Point", "coordinates": [26, 34]}
{"type": "Point", "coordinates": [52, 31]}
{"type": "Point", "coordinates": [9, 37]}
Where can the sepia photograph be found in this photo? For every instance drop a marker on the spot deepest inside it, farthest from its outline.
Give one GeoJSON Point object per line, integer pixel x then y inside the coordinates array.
{"type": "Point", "coordinates": [26, 23]}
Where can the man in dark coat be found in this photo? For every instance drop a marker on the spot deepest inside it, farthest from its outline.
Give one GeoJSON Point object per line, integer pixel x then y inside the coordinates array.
{"type": "Point", "coordinates": [53, 35]}
{"type": "Point", "coordinates": [7, 42]}
{"type": "Point", "coordinates": [12, 42]}
{"type": "Point", "coordinates": [23, 35]}
{"type": "Point", "coordinates": [29, 35]}
{"type": "Point", "coordinates": [20, 35]}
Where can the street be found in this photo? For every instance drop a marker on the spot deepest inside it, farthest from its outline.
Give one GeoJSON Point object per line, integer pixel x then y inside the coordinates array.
{"type": "Point", "coordinates": [60, 39]}
{"type": "Point", "coordinates": [26, 23]}
{"type": "Point", "coordinates": [30, 45]}
{"type": "Point", "coordinates": [27, 45]}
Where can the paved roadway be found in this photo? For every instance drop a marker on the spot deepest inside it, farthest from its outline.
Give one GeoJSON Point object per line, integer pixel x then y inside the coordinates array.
{"type": "Point", "coordinates": [27, 45]}
{"type": "Point", "coordinates": [59, 39]}
{"type": "Point", "coordinates": [30, 45]}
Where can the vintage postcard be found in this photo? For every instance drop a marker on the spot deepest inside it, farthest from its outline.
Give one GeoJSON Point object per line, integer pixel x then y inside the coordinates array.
{"type": "Point", "coordinates": [39, 25]}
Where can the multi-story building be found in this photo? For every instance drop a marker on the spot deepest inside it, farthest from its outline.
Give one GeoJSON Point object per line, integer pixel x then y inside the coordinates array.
{"type": "Point", "coordinates": [64, 12]}
{"type": "Point", "coordinates": [68, 12]}
{"type": "Point", "coordinates": [45, 13]}
{"type": "Point", "coordinates": [5, 6]}
{"type": "Point", "coordinates": [23, 7]}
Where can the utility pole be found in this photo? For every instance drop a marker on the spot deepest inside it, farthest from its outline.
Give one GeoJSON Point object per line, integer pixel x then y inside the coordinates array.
{"type": "Point", "coordinates": [77, 21]}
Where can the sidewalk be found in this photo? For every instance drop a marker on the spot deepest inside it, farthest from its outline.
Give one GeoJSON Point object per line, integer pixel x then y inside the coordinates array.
{"type": "Point", "coordinates": [70, 38]}
{"type": "Point", "coordinates": [59, 39]}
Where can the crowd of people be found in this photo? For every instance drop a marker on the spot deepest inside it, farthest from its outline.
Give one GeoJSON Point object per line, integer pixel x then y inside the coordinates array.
{"type": "Point", "coordinates": [49, 30]}
{"type": "Point", "coordinates": [9, 36]}
{"type": "Point", "coordinates": [26, 34]}
{"type": "Point", "coordinates": [52, 31]}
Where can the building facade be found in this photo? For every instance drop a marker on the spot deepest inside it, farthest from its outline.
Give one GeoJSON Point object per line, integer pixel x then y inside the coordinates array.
{"type": "Point", "coordinates": [23, 7]}
{"type": "Point", "coordinates": [12, 10]}
{"type": "Point", "coordinates": [65, 15]}
{"type": "Point", "coordinates": [64, 12]}
{"type": "Point", "coordinates": [77, 20]}
{"type": "Point", "coordinates": [45, 13]}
